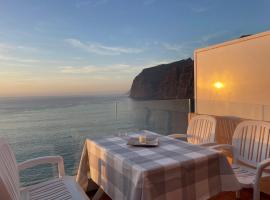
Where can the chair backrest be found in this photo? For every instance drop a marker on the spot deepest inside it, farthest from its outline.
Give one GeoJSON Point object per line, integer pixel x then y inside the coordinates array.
{"type": "Point", "coordinates": [251, 142]}
{"type": "Point", "coordinates": [201, 128]}
{"type": "Point", "coordinates": [9, 177]}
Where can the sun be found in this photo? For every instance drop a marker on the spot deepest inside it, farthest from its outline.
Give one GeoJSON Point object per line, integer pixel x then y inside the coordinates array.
{"type": "Point", "coordinates": [218, 85]}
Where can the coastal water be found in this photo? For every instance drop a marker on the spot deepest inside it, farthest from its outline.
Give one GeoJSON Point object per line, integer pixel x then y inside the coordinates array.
{"type": "Point", "coordinates": [42, 126]}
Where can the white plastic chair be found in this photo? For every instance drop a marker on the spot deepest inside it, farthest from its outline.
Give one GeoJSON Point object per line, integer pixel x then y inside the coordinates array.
{"type": "Point", "coordinates": [201, 130]}
{"type": "Point", "coordinates": [251, 151]}
{"type": "Point", "coordinates": [61, 188]}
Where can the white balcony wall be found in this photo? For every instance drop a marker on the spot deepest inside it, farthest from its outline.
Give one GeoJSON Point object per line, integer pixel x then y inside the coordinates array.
{"type": "Point", "coordinates": [242, 69]}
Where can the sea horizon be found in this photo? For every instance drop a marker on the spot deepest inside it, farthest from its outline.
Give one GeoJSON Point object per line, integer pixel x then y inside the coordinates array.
{"type": "Point", "coordinates": [66, 95]}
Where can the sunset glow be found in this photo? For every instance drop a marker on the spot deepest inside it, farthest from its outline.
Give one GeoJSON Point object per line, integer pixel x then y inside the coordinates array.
{"type": "Point", "coordinates": [100, 46]}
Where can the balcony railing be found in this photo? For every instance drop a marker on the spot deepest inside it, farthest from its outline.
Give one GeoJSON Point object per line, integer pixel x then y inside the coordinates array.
{"type": "Point", "coordinates": [59, 126]}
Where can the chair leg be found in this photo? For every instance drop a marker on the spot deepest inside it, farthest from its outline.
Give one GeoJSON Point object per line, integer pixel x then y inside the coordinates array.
{"type": "Point", "coordinates": [237, 194]}
{"type": "Point", "coordinates": [256, 192]}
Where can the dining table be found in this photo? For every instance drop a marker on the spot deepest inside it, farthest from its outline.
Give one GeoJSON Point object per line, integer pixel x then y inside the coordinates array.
{"type": "Point", "coordinates": [173, 169]}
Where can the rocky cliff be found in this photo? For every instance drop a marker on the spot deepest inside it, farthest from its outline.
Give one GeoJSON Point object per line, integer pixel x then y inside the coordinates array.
{"type": "Point", "coordinates": [167, 81]}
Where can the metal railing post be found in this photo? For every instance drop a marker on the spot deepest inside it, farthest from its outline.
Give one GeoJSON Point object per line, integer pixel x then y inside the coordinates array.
{"type": "Point", "coordinates": [263, 112]}
{"type": "Point", "coordinates": [116, 110]}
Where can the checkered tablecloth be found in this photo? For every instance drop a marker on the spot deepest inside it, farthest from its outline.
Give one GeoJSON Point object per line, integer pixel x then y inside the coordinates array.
{"type": "Point", "coordinates": [173, 170]}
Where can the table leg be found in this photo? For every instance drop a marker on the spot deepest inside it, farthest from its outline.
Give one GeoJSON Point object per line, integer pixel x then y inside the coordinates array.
{"type": "Point", "coordinates": [98, 194]}
{"type": "Point", "coordinates": [91, 186]}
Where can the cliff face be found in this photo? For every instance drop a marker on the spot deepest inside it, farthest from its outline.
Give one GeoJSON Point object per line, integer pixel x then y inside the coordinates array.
{"type": "Point", "coordinates": [167, 81]}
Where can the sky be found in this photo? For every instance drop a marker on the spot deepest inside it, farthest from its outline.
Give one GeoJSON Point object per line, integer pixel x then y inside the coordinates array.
{"type": "Point", "coordinates": [88, 47]}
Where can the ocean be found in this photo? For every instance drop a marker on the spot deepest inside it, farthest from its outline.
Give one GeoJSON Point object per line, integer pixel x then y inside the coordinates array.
{"type": "Point", "coordinates": [42, 126]}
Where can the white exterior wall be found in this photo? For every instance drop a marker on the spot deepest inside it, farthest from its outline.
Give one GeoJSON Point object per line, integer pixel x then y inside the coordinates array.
{"type": "Point", "coordinates": [243, 66]}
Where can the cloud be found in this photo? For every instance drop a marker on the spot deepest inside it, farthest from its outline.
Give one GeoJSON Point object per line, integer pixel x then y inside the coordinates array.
{"type": "Point", "coordinates": [201, 6]}
{"type": "Point", "coordinates": [20, 55]}
{"type": "Point", "coordinates": [9, 53]}
{"type": "Point", "coordinates": [149, 2]}
{"type": "Point", "coordinates": [4, 47]}
{"type": "Point", "coordinates": [92, 69]}
{"type": "Point", "coordinates": [183, 50]}
{"type": "Point", "coordinates": [186, 49]}
{"type": "Point", "coordinates": [199, 9]}
{"type": "Point", "coordinates": [93, 3]}
{"type": "Point", "coordinates": [18, 59]}
{"type": "Point", "coordinates": [26, 48]}
{"type": "Point", "coordinates": [110, 71]}
{"type": "Point", "coordinates": [101, 49]}
{"type": "Point", "coordinates": [215, 35]}
{"type": "Point", "coordinates": [173, 47]}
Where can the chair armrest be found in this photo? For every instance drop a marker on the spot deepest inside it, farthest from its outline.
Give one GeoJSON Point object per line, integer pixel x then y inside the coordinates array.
{"type": "Point", "coordinates": [264, 164]}
{"type": "Point", "coordinates": [260, 167]}
{"type": "Point", "coordinates": [44, 160]}
{"type": "Point", "coordinates": [179, 136]}
{"type": "Point", "coordinates": [227, 147]}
